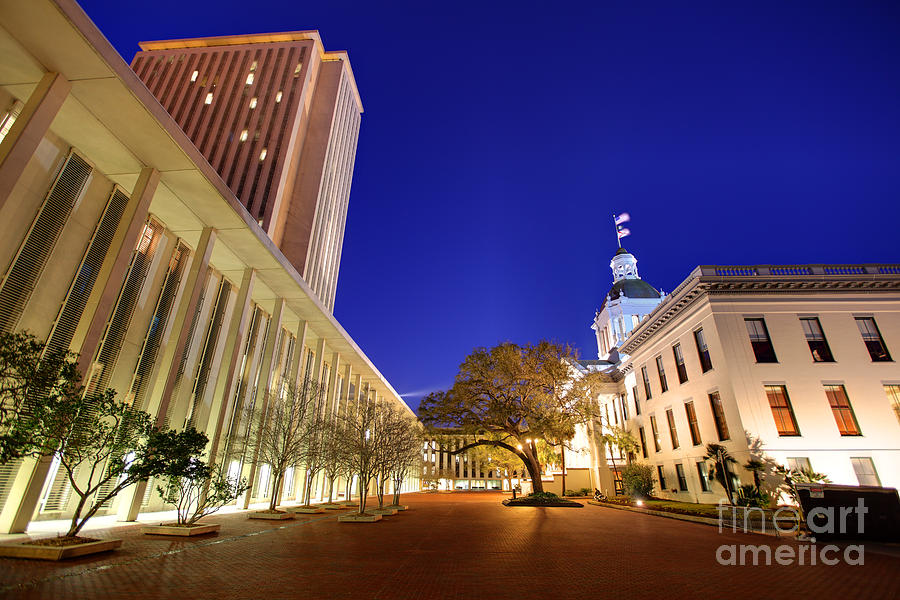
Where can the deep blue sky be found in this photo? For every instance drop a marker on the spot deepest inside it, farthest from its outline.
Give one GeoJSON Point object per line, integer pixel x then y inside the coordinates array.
{"type": "Point", "coordinates": [498, 138]}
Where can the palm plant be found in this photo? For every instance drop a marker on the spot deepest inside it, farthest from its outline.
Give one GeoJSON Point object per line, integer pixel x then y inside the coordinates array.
{"type": "Point", "coordinates": [720, 457]}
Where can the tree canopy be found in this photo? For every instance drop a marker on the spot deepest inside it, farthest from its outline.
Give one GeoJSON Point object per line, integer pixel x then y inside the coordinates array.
{"type": "Point", "coordinates": [509, 396]}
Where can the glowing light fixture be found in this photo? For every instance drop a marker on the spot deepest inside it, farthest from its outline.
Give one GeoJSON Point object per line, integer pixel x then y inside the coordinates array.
{"type": "Point", "coordinates": [194, 75]}
{"type": "Point", "coordinates": [278, 97]}
{"type": "Point", "coordinates": [249, 78]}
{"type": "Point", "coordinates": [244, 135]}
{"type": "Point", "coordinates": [253, 102]}
{"type": "Point", "coordinates": [262, 155]}
{"type": "Point", "coordinates": [208, 98]}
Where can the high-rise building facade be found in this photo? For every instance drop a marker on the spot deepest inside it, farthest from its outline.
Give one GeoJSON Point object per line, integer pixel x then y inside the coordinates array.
{"type": "Point", "coordinates": [120, 242]}
{"type": "Point", "coordinates": [278, 118]}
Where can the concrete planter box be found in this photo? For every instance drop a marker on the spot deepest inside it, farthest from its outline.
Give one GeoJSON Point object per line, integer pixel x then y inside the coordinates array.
{"type": "Point", "coordinates": [57, 552]}
{"type": "Point", "coordinates": [332, 506]}
{"type": "Point", "coordinates": [385, 511]}
{"type": "Point", "coordinates": [398, 507]}
{"type": "Point", "coordinates": [180, 531]}
{"type": "Point", "coordinates": [358, 518]}
{"type": "Point", "coordinates": [306, 510]}
{"type": "Point", "coordinates": [281, 516]}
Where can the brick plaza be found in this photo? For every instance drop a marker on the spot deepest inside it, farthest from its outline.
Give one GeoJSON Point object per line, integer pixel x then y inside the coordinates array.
{"type": "Point", "coordinates": [448, 545]}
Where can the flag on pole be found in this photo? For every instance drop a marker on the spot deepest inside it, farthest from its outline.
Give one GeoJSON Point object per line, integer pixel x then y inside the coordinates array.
{"type": "Point", "coordinates": [623, 218]}
{"type": "Point", "coordinates": [622, 231]}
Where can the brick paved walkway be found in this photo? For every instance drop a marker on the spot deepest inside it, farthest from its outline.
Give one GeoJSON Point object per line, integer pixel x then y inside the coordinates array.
{"type": "Point", "coordinates": [458, 545]}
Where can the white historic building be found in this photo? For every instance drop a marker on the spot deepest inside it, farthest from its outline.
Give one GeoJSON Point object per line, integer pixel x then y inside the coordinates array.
{"type": "Point", "coordinates": [793, 364]}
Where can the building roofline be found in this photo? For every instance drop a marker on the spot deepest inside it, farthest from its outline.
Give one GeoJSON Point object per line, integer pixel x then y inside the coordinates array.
{"type": "Point", "coordinates": [764, 279]}
{"type": "Point", "coordinates": [279, 37]}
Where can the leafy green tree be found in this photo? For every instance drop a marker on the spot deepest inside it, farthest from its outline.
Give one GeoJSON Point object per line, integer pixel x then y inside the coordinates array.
{"type": "Point", "coordinates": [104, 446]}
{"type": "Point", "coordinates": [507, 395]}
{"type": "Point", "coordinates": [721, 471]}
{"type": "Point", "coordinates": [638, 480]}
{"type": "Point", "coordinates": [199, 490]}
{"type": "Point", "coordinates": [31, 380]}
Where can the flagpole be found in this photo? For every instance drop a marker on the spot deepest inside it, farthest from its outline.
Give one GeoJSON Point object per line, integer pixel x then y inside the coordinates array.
{"type": "Point", "coordinates": [616, 226]}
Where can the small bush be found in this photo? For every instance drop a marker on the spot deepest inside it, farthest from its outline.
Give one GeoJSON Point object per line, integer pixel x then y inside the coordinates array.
{"type": "Point", "coordinates": [543, 496]}
{"type": "Point", "coordinates": [638, 480]}
{"type": "Point", "coordinates": [750, 495]}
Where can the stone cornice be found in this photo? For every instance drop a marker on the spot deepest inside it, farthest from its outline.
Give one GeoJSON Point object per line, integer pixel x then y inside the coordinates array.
{"type": "Point", "coordinates": [710, 280]}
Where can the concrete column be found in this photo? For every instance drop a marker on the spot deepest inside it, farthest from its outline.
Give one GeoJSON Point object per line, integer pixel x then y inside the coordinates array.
{"type": "Point", "coordinates": [333, 392]}
{"type": "Point", "coordinates": [130, 500]}
{"type": "Point", "coordinates": [319, 366]}
{"type": "Point", "coordinates": [227, 378]}
{"type": "Point", "coordinates": [29, 129]}
{"type": "Point", "coordinates": [115, 265]}
{"type": "Point", "coordinates": [297, 361]}
{"type": "Point", "coordinates": [266, 379]}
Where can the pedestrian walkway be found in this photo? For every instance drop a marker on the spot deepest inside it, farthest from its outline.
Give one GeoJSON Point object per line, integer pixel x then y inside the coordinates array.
{"type": "Point", "coordinates": [448, 545]}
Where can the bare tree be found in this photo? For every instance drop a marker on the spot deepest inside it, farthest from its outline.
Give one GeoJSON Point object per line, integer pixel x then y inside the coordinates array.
{"type": "Point", "coordinates": [357, 437]}
{"type": "Point", "coordinates": [280, 433]}
{"type": "Point", "coordinates": [406, 455]}
{"type": "Point", "coordinates": [199, 491]}
{"type": "Point", "coordinates": [389, 428]}
{"type": "Point", "coordinates": [315, 448]}
{"type": "Point", "coordinates": [331, 460]}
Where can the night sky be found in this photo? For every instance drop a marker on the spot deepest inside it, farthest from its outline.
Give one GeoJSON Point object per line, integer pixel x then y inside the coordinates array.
{"type": "Point", "coordinates": [498, 139]}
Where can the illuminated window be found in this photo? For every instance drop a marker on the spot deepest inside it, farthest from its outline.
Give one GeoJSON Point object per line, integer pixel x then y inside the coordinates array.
{"type": "Point", "coordinates": [782, 411]}
{"type": "Point", "coordinates": [253, 102]}
{"type": "Point", "coordinates": [663, 384]}
{"type": "Point", "coordinates": [865, 470]}
{"type": "Point", "coordinates": [760, 341]}
{"type": "Point", "coordinates": [655, 431]}
{"type": "Point", "coordinates": [703, 475]}
{"type": "Point", "coordinates": [872, 339]}
{"type": "Point", "coordinates": [253, 66]}
{"type": "Point", "coordinates": [673, 433]}
{"type": "Point", "coordinates": [815, 337]}
{"type": "Point", "coordinates": [841, 409]}
{"type": "Point", "coordinates": [244, 135]}
{"type": "Point", "coordinates": [250, 79]}
{"type": "Point", "coordinates": [679, 363]}
{"type": "Point", "coordinates": [262, 155]}
{"type": "Point", "coordinates": [297, 69]}
{"type": "Point", "coordinates": [692, 422]}
{"type": "Point", "coordinates": [278, 97]}
{"type": "Point", "coordinates": [682, 480]}
{"type": "Point", "coordinates": [893, 394]}
{"type": "Point", "coordinates": [194, 75]}
{"type": "Point", "coordinates": [208, 98]}
{"type": "Point", "coordinates": [799, 463]}
{"type": "Point", "coordinates": [7, 121]}
{"type": "Point", "coordinates": [703, 351]}
{"type": "Point", "coordinates": [718, 411]}
{"type": "Point", "coordinates": [643, 442]}
{"type": "Point", "coordinates": [146, 238]}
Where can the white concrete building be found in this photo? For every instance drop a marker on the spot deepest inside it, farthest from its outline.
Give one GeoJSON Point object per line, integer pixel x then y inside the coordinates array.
{"type": "Point", "coordinates": [793, 363]}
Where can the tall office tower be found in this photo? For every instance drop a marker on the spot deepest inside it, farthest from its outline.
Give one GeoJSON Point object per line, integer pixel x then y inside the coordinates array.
{"type": "Point", "coordinates": [278, 118]}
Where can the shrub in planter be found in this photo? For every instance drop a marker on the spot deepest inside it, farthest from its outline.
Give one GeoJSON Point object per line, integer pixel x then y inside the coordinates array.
{"type": "Point", "coordinates": [750, 495]}
{"type": "Point", "coordinates": [638, 480]}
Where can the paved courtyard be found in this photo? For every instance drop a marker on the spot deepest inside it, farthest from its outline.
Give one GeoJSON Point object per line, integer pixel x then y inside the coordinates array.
{"type": "Point", "coordinates": [448, 545]}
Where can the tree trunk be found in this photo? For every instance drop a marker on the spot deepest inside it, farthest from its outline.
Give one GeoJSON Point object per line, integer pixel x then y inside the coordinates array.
{"type": "Point", "coordinates": [379, 491]}
{"type": "Point", "coordinates": [74, 527]}
{"type": "Point", "coordinates": [276, 485]}
{"type": "Point", "coordinates": [363, 492]}
{"type": "Point", "coordinates": [330, 488]}
{"type": "Point", "coordinates": [534, 470]}
{"type": "Point", "coordinates": [612, 459]}
{"type": "Point", "coordinates": [562, 453]}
